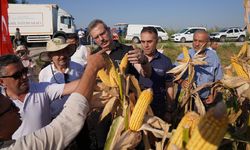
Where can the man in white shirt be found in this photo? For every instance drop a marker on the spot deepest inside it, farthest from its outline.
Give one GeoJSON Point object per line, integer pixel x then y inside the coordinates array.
{"type": "Point", "coordinates": [81, 35]}
{"type": "Point", "coordinates": [82, 52]}
{"type": "Point", "coordinates": [59, 133]}
{"type": "Point", "coordinates": [33, 99]}
{"type": "Point", "coordinates": [61, 70]}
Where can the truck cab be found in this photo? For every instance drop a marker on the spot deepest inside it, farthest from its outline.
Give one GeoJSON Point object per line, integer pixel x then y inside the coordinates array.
{"type": "Point", "coordinates": [65, 23]}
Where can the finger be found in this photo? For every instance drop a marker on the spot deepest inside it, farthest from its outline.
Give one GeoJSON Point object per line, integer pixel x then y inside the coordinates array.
{"type": "Point", "coordinates": [102, 51]}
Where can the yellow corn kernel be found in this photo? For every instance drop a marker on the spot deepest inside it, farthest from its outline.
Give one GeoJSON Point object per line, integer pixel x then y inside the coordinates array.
{"type": "Point", "coordinates": [113, 76]}
{"type": "Point", "coordinates": [185, 54]}
{"type": "Point", "coordinates": [189, 121]}
{"type": "Point", "coordinates": [140, 109]}
{"type": "Point", "coordinates": [210, 130]}
{"type": "Point", "coordinates": [239, 69]}
{"type": "Point", "coordinates": [104, 76]}
{"type": "Point", "coordinates": [124, 63]}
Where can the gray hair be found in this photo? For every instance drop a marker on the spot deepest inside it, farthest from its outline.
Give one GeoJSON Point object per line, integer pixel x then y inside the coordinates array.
{"type": "Point", "coordinates": [95, 22]}
{"type": "Point", "coordinates": [202, 32]}
{"type": "Point", "coordinates": [6, 60]}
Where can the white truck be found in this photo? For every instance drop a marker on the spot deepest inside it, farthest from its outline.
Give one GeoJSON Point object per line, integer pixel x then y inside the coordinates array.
{"type": "Point", "coordinates": [39, 22]}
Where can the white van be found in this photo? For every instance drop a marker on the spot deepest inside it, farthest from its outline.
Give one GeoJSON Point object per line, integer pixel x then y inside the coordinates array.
{"type": "Point", "coordinates": [133, 32]}
{"type": "Point", "coordinates": [186, 34]}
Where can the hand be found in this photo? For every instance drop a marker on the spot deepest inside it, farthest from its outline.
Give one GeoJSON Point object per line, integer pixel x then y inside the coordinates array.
{"type": "Point", "coordinates": [97, 60]}
{"type": "Point", "coordinates": [183, 83]}
{"type": "Point", "coordinates": [96, 102]}
{"type": "Point", "coordinates": [136, 56]}
{"type": "Point", "coordinates": [210, 99]}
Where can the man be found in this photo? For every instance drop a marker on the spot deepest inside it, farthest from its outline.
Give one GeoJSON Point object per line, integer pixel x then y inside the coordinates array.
{"type": "Point", "coordinates": [81, 35]}
{"type": "Point", "coordinates": [9, 118]}
{"type": "Point", "coordinates": [60, 70]}
{"type": "Point", "coordinates": [23, 52]}
{"type": "Point", "coordinates": [213, 45]}
{"type": "Point", "coordinates": [81, 53]}
{"type": "Point", "coordinates": [33, 99]}
{"type": "Point", "coordinates": [204, 73]}
{"type": "Point", "coordinates": [102, 36]}
{"type": "Point", "coordinates": [159, 81]}
{"type": "Point", "coordinates": [59, 133]}
{"type": "Point", "coordinates": [17, 39]}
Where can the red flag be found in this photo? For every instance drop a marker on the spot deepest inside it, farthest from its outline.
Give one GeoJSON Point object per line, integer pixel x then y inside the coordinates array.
{"type": "Point", "coordinates": [5, 42]}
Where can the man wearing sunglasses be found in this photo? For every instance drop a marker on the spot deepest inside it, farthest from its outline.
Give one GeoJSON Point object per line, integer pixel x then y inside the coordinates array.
{"type": "Point", "coordinates": [59, 133]}
{"type": "Point", "coordinates": [33, 99]}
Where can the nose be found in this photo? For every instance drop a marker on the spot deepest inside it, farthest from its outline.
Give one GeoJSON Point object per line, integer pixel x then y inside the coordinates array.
{"type": "Point", "coordinates": [100, 38]}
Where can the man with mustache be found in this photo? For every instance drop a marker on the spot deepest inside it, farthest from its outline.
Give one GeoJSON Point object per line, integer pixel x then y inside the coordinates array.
{"type": "Point", "coordinates": [210, 72]}
{"type": "Point", "coordinates": [138, 65]}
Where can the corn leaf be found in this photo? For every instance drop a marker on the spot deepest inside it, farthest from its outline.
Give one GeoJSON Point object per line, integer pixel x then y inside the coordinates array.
{"type": "Point", "coordinates": [114, 132]}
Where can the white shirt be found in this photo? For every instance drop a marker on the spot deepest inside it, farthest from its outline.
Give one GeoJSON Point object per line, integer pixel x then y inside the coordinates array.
{"type": "Point", "coordinates": [35, 109]}
{"type": "Point", "coordinates": [80, 56]}
{"type": "Point", "coordinates": [74, 72]}
{"type": "Point", "coordinates": [61, 131]}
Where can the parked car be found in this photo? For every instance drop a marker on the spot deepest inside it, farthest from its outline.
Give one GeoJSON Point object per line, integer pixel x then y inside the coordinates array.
{"type": "Point", "coordinates": [185, 35]}
{"type": "Point", "coordinates": [133, 32]}
{"type": "Point", "coordinates": [233, 33]}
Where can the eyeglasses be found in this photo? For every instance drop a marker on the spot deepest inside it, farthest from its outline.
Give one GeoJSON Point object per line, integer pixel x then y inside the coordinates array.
{"type": "Point", "coordinates": [18, 74]}
{"type": "Point", "coordinates": [22, 53]}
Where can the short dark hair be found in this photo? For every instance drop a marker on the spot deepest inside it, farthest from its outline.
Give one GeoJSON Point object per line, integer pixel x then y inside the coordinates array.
{"type": "Point", "coordinates": [95, 22]}
{"type": "Point", "coordinates": [150, 30]}
{"type": "Point", "coordinates": [6, 60]}
{"type": "Point", "coordinates": [73, 36]}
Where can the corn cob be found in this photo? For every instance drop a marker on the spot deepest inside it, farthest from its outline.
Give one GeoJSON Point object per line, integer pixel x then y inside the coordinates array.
{"type": "Point", "coordinates": [104, 74]}
{"type": "Point", "coordinates": [239, 69]}
{"type": "Point", "coordinates": [124, 63]}
{"type": "Point", "coordinates": [140, 109]}
{"type": "Point", "coordinates": [185, 54]}
{"type": "Point", "coordinates": [243, 50]}
{"type": "Point", "coordinates": [189, 121]}
{"type": "Point", "coordinates": [210, 130]}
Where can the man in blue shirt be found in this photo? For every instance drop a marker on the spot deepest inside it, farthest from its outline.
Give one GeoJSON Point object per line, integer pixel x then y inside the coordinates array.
{"type": "Point", "coordinates": [210, 72]}
{"type": "Point", "coordinates": [159, 81]}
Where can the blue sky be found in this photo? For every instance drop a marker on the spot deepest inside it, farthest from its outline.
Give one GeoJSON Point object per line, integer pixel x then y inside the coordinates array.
{"type": "Point", "coordinates": [171, 14]}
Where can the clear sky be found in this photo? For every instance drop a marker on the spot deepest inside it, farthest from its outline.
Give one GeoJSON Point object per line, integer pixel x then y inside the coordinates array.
{"type": "Point", "coordinates": [171, 14]}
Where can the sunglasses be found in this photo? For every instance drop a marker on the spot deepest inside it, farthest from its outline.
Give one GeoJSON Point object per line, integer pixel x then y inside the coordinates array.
{"type": "Point", "coordinates": [18, 74]}
{"type": "Point", "coordinates": [22, 53]}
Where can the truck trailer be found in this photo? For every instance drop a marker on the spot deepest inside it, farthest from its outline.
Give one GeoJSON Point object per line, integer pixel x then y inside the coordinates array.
{"type": "Point", "coordinates": [40, 22]}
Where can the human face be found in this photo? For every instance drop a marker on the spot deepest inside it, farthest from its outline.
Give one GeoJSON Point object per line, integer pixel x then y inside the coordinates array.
{"type": "Point", "coordinates": [72, 41]}
{"type": "Point", "coordinates": [15, 79]}
{"type": "Point", "coordinates": [149, 43]}
{"type": "Point", "coordinates": [200, 41]}
{"type": "Point", "coordinates": [9, 118]}
{"type": "Point", "coordinates": [60, 58]}
{"type": "Point", "coordinates": [101, 36]}
{"type": "Point", "coordinates": [215, 45]}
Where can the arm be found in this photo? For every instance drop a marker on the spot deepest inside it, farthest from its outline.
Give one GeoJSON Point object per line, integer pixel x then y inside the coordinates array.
{"type": "Point", "coordinates": [61, 131]}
